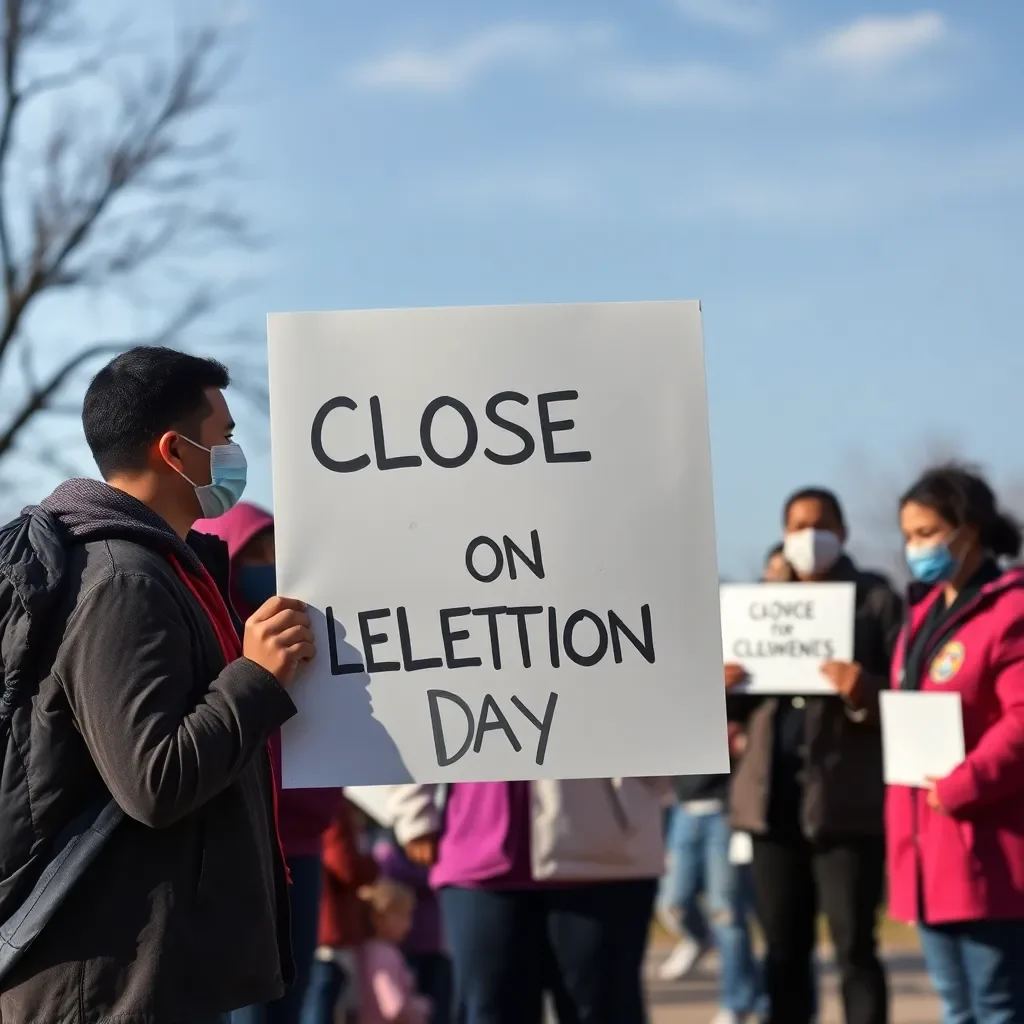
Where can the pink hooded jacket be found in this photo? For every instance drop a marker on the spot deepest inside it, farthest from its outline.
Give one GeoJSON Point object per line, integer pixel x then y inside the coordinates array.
{"type": "Point", "coordinates": [303, 814]}
{"type": "Point", "coordinates": [967, 862]}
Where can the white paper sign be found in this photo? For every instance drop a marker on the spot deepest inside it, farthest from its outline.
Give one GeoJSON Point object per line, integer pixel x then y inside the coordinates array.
{"type": "Point", "coordinates": [782, 633]}
{"type": "Point", "coordinates": [922, 735]}
{"type": "Point", "coordinates": [501, 519]}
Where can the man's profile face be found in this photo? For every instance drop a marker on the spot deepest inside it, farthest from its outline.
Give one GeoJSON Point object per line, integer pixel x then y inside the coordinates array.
{"type": "Point", "coordinates": [217, 427]}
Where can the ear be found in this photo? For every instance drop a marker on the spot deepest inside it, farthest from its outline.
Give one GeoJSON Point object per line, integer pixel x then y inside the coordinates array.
{"type": "Point", "coordinates": [843, 535]}
{"type": "Point", "coordinates": [168, 448]}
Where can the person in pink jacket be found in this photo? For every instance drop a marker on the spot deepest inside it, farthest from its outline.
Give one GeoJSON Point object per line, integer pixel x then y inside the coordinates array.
{"type": "Point", "coordinates": [387, 987]}
{"type": "Point", "coordinates": [956, 850]}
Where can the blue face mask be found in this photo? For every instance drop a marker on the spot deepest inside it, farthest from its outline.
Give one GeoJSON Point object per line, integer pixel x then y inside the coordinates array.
{"type": "Point", "coordinates": [256, 584]}
{"type": "Point", "coordinates": [228, 471]}
{"type": "Point", "coordinates": [932, 564]}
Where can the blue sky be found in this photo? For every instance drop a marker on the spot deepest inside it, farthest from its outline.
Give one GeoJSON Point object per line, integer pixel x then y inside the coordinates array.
{"type": "Point", "coordinates": [842, 185]}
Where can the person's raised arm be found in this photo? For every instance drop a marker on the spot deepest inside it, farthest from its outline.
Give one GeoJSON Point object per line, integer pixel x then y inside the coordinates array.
{"type": "Point", "coordinates": [164, 741]}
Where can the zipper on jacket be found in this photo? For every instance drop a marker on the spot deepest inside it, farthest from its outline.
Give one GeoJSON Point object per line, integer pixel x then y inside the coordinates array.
{"type": "Point", "coordinates": [618, 811]}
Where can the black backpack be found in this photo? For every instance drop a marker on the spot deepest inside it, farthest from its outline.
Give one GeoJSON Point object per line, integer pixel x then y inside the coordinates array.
{"type": "Point", "coordinates": [32, 560]}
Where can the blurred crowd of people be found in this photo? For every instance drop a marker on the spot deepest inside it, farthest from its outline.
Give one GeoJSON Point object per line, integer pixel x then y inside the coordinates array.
{"type": "Point", "coordinates": [141, 743]}
{"type": "Point", "coordinates": [547, 889]}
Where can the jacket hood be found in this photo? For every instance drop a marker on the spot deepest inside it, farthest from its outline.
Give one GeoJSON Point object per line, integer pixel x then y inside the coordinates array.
{"type": "Point", "coordinates": [92, 510]}
{"type": "Point", "coordinates": [238, 526]}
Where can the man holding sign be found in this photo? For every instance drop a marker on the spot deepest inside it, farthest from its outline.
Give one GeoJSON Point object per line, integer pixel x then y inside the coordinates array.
{"type": "Point", "coordinates": [810, 790]}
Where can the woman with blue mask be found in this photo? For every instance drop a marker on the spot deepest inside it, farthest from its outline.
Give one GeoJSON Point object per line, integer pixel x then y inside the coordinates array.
{"type": "Point", "coordinates": [304, 815]}
{"type": "Point", "coordinates": [956, 849]}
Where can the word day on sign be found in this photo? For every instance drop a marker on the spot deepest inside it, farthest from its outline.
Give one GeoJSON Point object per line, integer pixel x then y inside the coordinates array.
{"type": "Point", "coordinates": [501, 520]}
{"type": "Point", "coordinates": [782, 633]}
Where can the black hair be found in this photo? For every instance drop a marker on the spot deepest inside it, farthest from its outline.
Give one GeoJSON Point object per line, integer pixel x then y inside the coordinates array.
{"type": "Point", "coordinates": [821, 494]}
{"type": "Point", "coordinates": [139, 396]}
{"type": "Point", "coordinates": [963, 498]}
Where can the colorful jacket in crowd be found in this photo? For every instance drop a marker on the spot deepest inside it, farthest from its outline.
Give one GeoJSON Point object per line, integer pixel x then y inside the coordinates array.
{"type": "Point", "coordinates": [346, 869]}
{"type": "Point", "coordinates": [967, 862]}
{"type": "Point", "coordinates": [303, 814]}
{"type": "Point", "coordinates": [514, 835]}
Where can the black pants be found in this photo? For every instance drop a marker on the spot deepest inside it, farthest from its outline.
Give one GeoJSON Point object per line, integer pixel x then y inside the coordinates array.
{"type": "Point", "coordinates": [584, 944]}
{"type": "Point", "coordinates": [793, 880]}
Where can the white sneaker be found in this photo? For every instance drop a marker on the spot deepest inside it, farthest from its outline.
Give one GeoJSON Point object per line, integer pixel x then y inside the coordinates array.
{"type": "Point", "coordinates": [682, 960]}
{"type": "Point", "coordinates": [729, 1017]}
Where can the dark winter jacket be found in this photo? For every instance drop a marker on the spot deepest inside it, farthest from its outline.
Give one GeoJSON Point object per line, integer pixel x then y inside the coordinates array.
{"type": "Point", "coordinates": [184, 912]}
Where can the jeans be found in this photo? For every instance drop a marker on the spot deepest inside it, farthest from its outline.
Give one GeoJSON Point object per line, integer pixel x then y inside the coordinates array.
{"type": "Point", "coordinates": [433, 973]}
{"type": "Point", "coordinates": [977, 968]}
{"type": "Point", "coordinates": [305, 906]}
{"type": "Point", "coordinates": [792, 878]}
{"type": "Point", "coordinates": [698, 849]}
{"type": "Point", "coordinates": [327, 982]}
{"type": "Point", "coordinates": [584, 944]}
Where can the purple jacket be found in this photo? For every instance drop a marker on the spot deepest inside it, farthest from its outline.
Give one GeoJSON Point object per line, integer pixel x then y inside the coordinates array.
{"type": "Point", "coordinates": [303, 814]}
{"type": "Point", "coordinates": [426, 935]}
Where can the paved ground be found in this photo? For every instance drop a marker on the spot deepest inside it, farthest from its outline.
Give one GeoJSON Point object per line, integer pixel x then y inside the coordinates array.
{"type": "Point", "coordinates": [693, 1001]}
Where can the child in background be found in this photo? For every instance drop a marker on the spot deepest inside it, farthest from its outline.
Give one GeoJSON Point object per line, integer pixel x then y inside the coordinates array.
{"type": "Point", "coordinates": [424, 948]}
{"type": "Point", "coordinates": [333, 991]}
{"type": "Point", "coordinates": [387, 988]}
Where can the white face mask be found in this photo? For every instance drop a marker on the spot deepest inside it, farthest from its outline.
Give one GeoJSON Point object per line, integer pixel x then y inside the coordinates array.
{"type": "Point", "coordinates": [812, 552]}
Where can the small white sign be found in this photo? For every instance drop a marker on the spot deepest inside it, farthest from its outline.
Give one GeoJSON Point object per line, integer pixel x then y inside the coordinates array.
{"type": "Point", "coordinates": [922, 735]}
{"type": "Point", "coordinates": [782, 633]}
{"type": "Point", "coordinates": [501, 519]}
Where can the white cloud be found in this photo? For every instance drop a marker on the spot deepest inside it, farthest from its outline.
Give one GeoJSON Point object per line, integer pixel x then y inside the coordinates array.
{"type": "Point", "coordinates": [449, 70]}
{"type": "Point", "coordinates": [878, 43]}
{"type": "Point", "coordinates": [742, 16]}
{"type": "Point", "coordinates": [692, 84]}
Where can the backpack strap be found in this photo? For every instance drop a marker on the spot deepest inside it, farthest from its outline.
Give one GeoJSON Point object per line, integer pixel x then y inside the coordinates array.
{"type": "Point", "coordinates": [75, 849]}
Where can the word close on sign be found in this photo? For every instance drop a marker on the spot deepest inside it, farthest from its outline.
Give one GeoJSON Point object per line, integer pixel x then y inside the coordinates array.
{"type": "Point", "coordinates": [501, 520]}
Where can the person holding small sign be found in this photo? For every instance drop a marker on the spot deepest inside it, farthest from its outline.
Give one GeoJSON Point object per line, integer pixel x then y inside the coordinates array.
{"type": "Point", "coordinates": [809, 789]}
{"type": "Point", "coordinates": [956, 846]}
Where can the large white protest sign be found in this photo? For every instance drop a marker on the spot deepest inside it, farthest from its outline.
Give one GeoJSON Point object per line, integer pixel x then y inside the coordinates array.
{"type": "Point", "coordinates": [502, 522]}
{"type": "Point", "coordinates": [782, 633]}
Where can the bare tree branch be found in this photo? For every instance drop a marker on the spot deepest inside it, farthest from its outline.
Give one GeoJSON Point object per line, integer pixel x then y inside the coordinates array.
{"type": "Point", "coordinates": [40, 397]}
{"type": "Point", "coordinates": [119, 199]}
